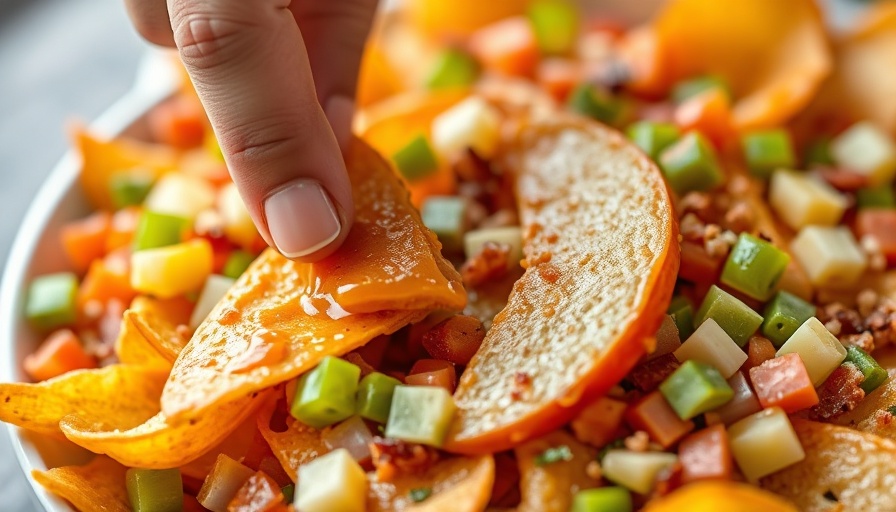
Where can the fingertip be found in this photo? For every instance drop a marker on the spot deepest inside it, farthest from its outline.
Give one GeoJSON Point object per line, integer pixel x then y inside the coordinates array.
{"type": "Point", "coordinates": [340, 111]}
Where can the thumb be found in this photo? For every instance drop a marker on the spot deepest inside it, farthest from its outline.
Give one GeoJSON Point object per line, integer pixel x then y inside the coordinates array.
{"type": "Point", "coordinates": [250, 68]}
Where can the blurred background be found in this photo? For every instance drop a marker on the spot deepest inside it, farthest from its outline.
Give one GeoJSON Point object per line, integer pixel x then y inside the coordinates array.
{"type": "Point", "coordinates": [63, 60]}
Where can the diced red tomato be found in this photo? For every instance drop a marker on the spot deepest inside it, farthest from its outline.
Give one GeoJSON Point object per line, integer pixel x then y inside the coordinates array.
{"type": "Point", "coordinates": [843, 179]}
{"type": "Point", "coordinates": [708, 113]}
{"type": "Point", "coordinates": [122, 228]}
{"type": "Point", "coordinates": [697, 265]}
{"type": "Point", "coordinates": [881, 225]}
{"type": "Point", "coordinates": [654, 415]}
{"type": "Point", "coordinates": [558, 77]}
{"type": "Point", "coordinates": [260, 493]}
{"type": "Point", "coordinates": [706, 455]}
{"type": "Point", "coordinates": [180, 123]}
{"type": "Point", "coordinates": [600, 421]}
{"type": "Point", "coordinates": [433, 372]}
{"type": "Point", "coordinates": [508, 47]}
{"type": "Point", "coordinates": [759, 350]}
{"type": "Point", "coordinates": [61, 352]}
{"type": "Point", "coordinates": [84, 240]}
{"type": "Point", "coordinates": [105, 281]}
{"type": "Point", "coordinates": [784, 382]}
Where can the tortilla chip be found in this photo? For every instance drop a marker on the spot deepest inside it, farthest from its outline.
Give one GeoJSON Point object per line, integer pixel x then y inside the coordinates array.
{"type": "Point", "coordinates": [236, 445]}
{"type": "Point", "coordinates": [97, 486]}
{"type": "Point", "coordinates": [156, 443]}
{"type": "Point", "coordinates": [133, 348]}
{"type": "Point", "coordinates": [388, 273]}
{"type": "Point", "coordinates": [857, 468]}
{"type": "Point", "coordinates": [124, 395]}
{"type": "Point", "coordinates": [461, 484]}
{"type": "Point", "coordinates": [550, 487]}
{"type": "Point", "coordinates": [871, 414]}
{"type": "Point", "coordinates": [295, 445]}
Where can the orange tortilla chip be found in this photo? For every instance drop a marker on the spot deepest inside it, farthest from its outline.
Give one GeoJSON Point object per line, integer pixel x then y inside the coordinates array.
{"type": "Point", "coordinates": [295, 445]}
{"type": "Point", "coordinates": [118, 393]}
{"type": "Point", "coordinates": [133, 348]}
{"type": "Point", "coordinates": [236, 445]}
{"type": "Point", "coordinates": [96, 486]}
{"type": "Point", "coordinates": [150, 334]}
{"type": "Point", "coordinates": [389, 273]}
{"type": "Point", "coordinates": [550, 487]}
{"type": "Point", "coordinates": [461, 484]}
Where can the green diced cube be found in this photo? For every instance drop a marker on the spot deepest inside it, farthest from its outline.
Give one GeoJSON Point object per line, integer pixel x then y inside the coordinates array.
{"type": "Point", "coordinates": [420, 414]}
{"type": "Point", "coordinates": [878, 197]}
{"type": "Point", "coordinates": [416, 160]}
{"type": "Point", "coordinates": [690, 88]}
{"type": "Point", "coordinates": [874, 373]}
{"type": "Point", "coordinates": [732, 315]}
{"type": "Point", "coordinates": [754, 267]}
{"type": "Point", "coordinates": [326, 394]}
{"type": "Point", "coordinates": [289, 493]}
{"type": "Point", "coordinates": [767, 151]}
{"type": "Point", "coordinates": [446, 216]}
{"type": "Point", "coordinates": [159, 230]}
{"type": "Point", "coordinates": [51, 301]}
{"type": "Point", "coordinates": [603, 499]}
{"type": "Point", "coordinates": [452, 68]}
{"type": "Point", "coordinates": [237, 263]}
{"type": "Point", "coordinates": [556, 25]}
{"type": "Point", "coordinates": [155, 490]}
{"type": "Point", "coordinates": [652, 137]}
{"type": "Point", "coordinates": [375, 396]}
{"type": "Point", "coordinates": [819, 153]}
{"type": "Point", "coordinates": [682, 313]}
{"type": "Point", "coordinates": [695, 388]}
{"type": "Point", "coordinates": [130, 188]}
{"type": "Point", "coordinates": [595, 103]}
{"type": "Point", "coordinates": [784, 315]}
{"type": "Point", "coordinates": [690, 164]}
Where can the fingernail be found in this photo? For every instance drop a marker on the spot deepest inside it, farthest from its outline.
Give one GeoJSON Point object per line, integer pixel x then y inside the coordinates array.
{"type": "Point", "coordinates": [301, 218]}
{"type": "Point", "coordinates": [340, 110]}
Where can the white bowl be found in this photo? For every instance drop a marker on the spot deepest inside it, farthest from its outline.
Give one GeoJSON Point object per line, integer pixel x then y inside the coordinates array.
{"type": "Point", "coordinates": [37, 251]}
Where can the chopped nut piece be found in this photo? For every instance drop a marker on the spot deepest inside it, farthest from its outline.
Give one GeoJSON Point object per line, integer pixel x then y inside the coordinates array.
{"type": "Point", "coordinates": [638, 442]}
{"type": "Point", "coordinates": [841, 392]}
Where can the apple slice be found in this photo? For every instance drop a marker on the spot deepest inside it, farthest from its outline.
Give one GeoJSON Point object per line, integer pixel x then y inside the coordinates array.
{"type": "Point", "coordinates": [601, 258]}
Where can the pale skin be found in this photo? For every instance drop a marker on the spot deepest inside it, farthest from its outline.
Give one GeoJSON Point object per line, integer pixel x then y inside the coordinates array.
{"type": "Point", "coordinates": [277, 78]}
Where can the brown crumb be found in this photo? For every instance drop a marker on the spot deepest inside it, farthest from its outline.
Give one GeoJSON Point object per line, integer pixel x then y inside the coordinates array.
{"type": "Point", "coordinates": [638, 442]}
{"type": "Point", "coordinates": [391, 457]}
{"type": "Point", "coordinates": [593, 470]}
{"type": "Point", "coordinates": [839, 393]}
{"type": "Point", "coordinates": [522, 385]}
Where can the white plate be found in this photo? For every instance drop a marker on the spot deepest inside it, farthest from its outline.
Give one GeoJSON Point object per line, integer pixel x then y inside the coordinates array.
{"type": "Point", "coordinates": [37, 251]}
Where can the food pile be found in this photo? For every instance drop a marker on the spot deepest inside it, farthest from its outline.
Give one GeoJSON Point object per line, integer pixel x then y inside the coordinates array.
{"type": "Point", "coordinates": [597, 267]}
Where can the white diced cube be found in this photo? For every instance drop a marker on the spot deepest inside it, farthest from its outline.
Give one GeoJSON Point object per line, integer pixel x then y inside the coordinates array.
{"type": "Point", "coordinates": [635, 470]}
{"type": "Point", "coordinates": [215, 289]}
{"type": "Point", "coordinates": [801, 200]}
{"type": "Point", "coordinates": [830, 256]}
{"type": "Point", "coordinates": [180, 194]}
{"type": "Point", "coordinates": [764, 442]}
{"type": "Point", "coordinates": [472, 123]}
{"type": "Point", "coordinates": [868, 150]}
{"type": "Point", "coordinates": [510, 235]}
{"type": "Point", "coordinates": [332, 483]}
{"type": "Point", "coordinates": [238, 224]}
{"type": "Point", "coordinates": [820, 351]}
{"type": "Point", "coordinates": [711, 345]}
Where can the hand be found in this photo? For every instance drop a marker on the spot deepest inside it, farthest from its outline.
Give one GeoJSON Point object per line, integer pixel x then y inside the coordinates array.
{"type": "Point", "coordinates": [280, 130]}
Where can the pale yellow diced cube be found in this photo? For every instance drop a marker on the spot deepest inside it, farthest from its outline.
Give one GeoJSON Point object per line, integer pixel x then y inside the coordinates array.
{"type": "Point", "coordinates": [801, 200]}
{"type": "Point", "coordinates": [472, 123]}
{"type": "Point", "coordinates": [820, 351]}
{"type": "Point", "coordinates": [222, 483]}
{"type": "Point", "coordinates": [331, 483]}
{"type": "Point", "coordinates": [830, 256]}
{"type": "Point", "coordinates": [510, 235]}
{"type": "Point", "coordinates": [868, 150]}
{"type": "Point", "coordinates": [170, 271]}
{"type": "Point", "coordinates": [635, 470]}
{"type": "Point", "coordinates": [180, 194]}
{"type": "Point", "coordinates": [764, 442]}
{"type": "Point", "coordinates": [215, 288]}
{"type": "Point", "coordinates": [238, 224]}
{"type": "Point", "coordinates": [711, 345]}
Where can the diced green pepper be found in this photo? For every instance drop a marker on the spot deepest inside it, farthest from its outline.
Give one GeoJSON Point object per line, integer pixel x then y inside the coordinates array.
{"type": "Point", "coordinates": [603, 499]}
{"type": "Point", "coordinates": [446, 217]}
{"type": "Point", "coordinates": [375, 396]}
{"type": "Point", "coordinates": [237, 263]}
{"type": "Point", "coordinates": [130, 188]}
{"type": "Point", "coordinates": [784, 315]}
{"type": "Point", "coordinates": [555, 24]}
{"type": "Point", "coordinates": [754, 267]}
{"type": "Point", "coordinates": [690, 164]}
{"type": "Point", "coordinates": [452, 68]}
{"type": "Point", "coordinates": [159, 230]}
{"type": "Point", "coordinates": [652, 137]}
{"type": "Point", "coordinates": [155, 490]}
{"type": "Point", "coordinates": [553, 454]}
{"type": "Point", "coordinates": [767, 151]}
{"type": "Point", "coordinates": [878, 197]}
{"type": "Point", "coordinates": [420, 494]}
{"type": "Point", "coordinates": [595, 103]}
{"type": "Point", "coordinates": [695, 388]}
{"type": "Point", "coordinates": [690, 88]}
{"type": "Point", "coordinates": [732, 315]}
{"type": "Point", "coordinates": [51, 301]}
{"type": "Point", "coordinates": [289, 493]}
{"type": "Point", "coordinates": [819, 153]}
{"type": "Point", "coordinates": [416, 160]}
{"type": "Point", "coordinates": [875, 375]}
{"type": "Point", "coordinates": [420, 414]}
{"type": "Point", "coordinates": [326, 394]}
{"type": "Point", "coordinates": [682, 313]}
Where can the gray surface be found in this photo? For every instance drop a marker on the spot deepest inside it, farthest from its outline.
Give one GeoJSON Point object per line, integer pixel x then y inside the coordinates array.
{"type": "Point", "coordinates": [59, 60]}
